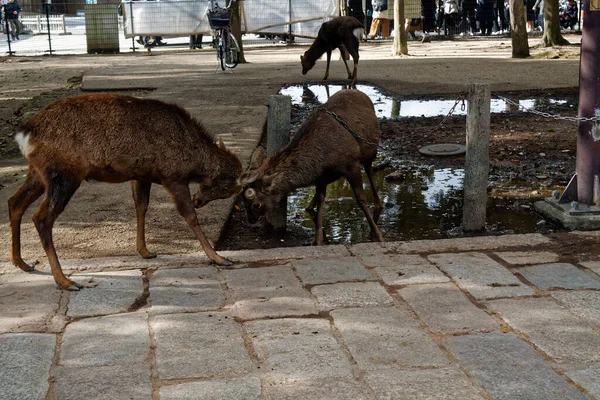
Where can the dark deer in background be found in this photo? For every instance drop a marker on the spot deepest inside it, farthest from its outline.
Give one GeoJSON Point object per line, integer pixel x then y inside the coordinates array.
{"type": "Point", "coordinates": [343, 33]}
{"type": "Point", "coordinates": [113, 138]}
{"type": "Point", "coordinates": [322, 151]}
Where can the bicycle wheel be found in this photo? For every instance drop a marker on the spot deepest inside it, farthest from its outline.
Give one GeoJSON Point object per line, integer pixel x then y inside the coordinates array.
{"type": "Point", "coordinates": [221, 53]}
{"type": "Point", "coordinates": [232, 51]}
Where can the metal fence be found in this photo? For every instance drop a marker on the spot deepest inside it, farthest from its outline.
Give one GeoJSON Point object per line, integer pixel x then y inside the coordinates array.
{"type": "Point", "coordinates": [79, 28]}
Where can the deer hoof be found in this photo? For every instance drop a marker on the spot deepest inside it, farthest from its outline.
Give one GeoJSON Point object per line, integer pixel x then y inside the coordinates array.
{"type": "Point", "coordinates": [24, 266]}
{"type": "Point", "coordinates": [225, 263]}
{"type": "Point", "coordinates": [147, 255]}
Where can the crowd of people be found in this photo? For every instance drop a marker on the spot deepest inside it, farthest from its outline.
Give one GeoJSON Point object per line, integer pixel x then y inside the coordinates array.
{"type": "Point", "coordinates": [450, 17]}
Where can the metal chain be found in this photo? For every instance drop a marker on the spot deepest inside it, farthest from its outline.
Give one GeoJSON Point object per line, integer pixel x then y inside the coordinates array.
{"type": "Point", "coordinates": [462, 96]}
{"type": "Point", "coordinates": [545, 114]}
{"type": "Point", "coordinates": [356, 136]}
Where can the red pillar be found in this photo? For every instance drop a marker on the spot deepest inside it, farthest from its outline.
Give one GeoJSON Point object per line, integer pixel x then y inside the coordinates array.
{"type": "Point", "coordinates": [588, 148]}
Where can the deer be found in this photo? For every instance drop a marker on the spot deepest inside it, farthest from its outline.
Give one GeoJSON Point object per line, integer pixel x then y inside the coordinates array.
{"type": "Point", "coordinates": [116, 138]}
{"type": "Point", "coordinates": [343, 33]}
{"type": "Point", "coordinates": [333, 142]}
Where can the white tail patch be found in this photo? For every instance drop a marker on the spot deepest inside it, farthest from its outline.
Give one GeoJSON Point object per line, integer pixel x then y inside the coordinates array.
{"type": "Point", "coordinates": [22, 139]}
{"type": "Point", "coordinates": [358, 32]}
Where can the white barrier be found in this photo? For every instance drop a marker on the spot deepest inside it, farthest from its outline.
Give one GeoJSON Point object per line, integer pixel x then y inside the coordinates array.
{"type": "Point", "coordinates": [39, 23]}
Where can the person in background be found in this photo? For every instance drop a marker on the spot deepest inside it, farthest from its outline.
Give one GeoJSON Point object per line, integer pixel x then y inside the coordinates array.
{"type": "Point", "coordinates": [530, 14]}
{"type": "Point", "coordinates": [13, 9]}
{"type": "Point", "coordinates": [195, 42]}
{"type": "Point", "coordinates": [383, 12]}
{"type": "Point", "coordinates": [450, 15]}
{"type": "Point", "coordinates": [569, 18]}
{"type": "Point", "coordinates": [539, 7]}
{"type": "Point", "coordinates": [485, 16]}
{"type": "Point", "coordinates": [468, 21]}
{"type": "Point", "coordinates": [499, 16]}
{"type": "Point", "coordinates": [428, 7]}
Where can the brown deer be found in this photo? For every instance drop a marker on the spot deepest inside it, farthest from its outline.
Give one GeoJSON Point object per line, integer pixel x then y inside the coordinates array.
{"type": "Point", "coordinates": [114, 138]}
{"type": "Point", "coordinates": [343, 33]}
{"type": "Point", "coordinates": [333, 142]}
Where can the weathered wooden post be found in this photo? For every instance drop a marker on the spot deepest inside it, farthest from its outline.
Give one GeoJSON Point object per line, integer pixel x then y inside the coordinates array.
{"type": "Point", "coordinates": [477, 157]}
{"type": "Point", "coordinates": [278, 136]}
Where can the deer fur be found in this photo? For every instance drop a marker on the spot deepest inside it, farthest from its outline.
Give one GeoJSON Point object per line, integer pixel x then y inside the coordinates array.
{"type": "Point", "coordinates": [321, 152]}
{"type": "Point", "coordinates": [343, 33]}
{"type": "Point", "coordinates": [114, 138]}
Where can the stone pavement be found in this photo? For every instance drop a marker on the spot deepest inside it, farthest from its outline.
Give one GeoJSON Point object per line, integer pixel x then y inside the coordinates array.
{"type": "Point", "coordinates": [468, 318]}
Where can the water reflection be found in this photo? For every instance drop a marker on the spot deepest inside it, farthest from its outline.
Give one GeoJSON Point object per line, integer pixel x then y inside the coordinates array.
{"type": "Point", "coordinates": [389, 107]}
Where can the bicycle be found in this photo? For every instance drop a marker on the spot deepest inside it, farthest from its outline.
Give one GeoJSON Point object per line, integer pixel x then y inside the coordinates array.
{"type": "Point", "coordinates": [227, 46]}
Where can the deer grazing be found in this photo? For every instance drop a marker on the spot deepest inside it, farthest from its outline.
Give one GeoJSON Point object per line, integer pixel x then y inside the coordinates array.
{"type": "Point", "coordinates": [343, 33]}
{"type": "Point", "coordinates": [114, 138]}
{"type": "Point", "coordinates": [333, 142]}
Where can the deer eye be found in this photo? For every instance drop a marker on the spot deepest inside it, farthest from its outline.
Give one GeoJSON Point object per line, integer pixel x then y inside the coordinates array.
{"type": "Point", "coordinates": [250, 194]}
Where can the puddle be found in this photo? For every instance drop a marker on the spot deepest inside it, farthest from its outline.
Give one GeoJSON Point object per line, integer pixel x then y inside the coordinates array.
{"type": "Point", "coordinates": [388, 107]}
{"type": "Point", "coordinates": [426, 203]}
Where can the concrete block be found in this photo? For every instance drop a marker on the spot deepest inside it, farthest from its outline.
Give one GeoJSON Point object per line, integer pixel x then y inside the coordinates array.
{"type": "Point", "coordinates": [383, 338]}
{"type": "Point", "coordinates": [428, 384]}
{"type": "Point", "coordinates": [115, 293]}
{"type": "Point", "coordinates": [506, 368]}
{"type": "Point", "coordinates": [446, 310]}
{"type": "Point", "coordinates": [111, 340]}
{"type": "Point", "coordinates": [559, 276]}
{"type": "Point", "coordinates": [585, 304]}
{"type": "Point", "coordinates": [268, 292]}
{"type": "Point", "coordinates": [130, 381]}
{"type": "Point", "coordinates": [317, 271]}
{"type": "Point", "coordinates": [247, 388]}
{"type": "Point", "coordinates": [292, 349]}
{"type": "Point", "coordinates": [185, 290]}
{"type": "Point", "coordinates": [527, 257]}
{"type": "Point", "coordinates": [201, 345]}
{"type": "Point", "coordinates": [359, 294]}
{"type": "Point", "coordinates": [553, 329]}
{"type": "Point", "coordinates": [25, 360]}
{"type": "Point", "coordinates": [481, 276]}
{"type": "Point", "coordinates": [403, 269]}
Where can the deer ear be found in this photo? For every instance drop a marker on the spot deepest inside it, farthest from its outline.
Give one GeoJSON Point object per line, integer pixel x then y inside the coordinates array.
{"type": "Point", "coordinates": [258, 157]}
{"type": "Point", "coordinates": [249, 177]}
{"type": "Point", "coordinates": [301, 58]}
{"type": "Point", "coordinates": [270, 181]}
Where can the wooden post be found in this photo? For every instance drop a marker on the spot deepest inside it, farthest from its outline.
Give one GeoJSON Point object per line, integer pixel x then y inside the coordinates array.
{"type": "Point", "coordinates": [477, 157]}
{"type": "Point", "coordinates": [278, 136]}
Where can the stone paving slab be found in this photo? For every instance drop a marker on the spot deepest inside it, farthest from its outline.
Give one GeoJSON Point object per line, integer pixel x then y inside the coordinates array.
{"type": "Point", "coordinates": [240, 257]}
{"type": "Point", "coordinates": [446, 310]}
{"type": "Point", "coordinates": [381, 338]}
{"type": "Point", "coordinates": [319, 271]}
{"type": "Point", "coordinates": [186, 290]}
{"type": "Point", "coordinates": [130, 381]}
{"type": "Point", "coordinates": [527, 257]}
{"type": "Point", "coordinates": [25, 360]}
{"type": "Point", "coordinates": [427, 384]}
{"type": "Point", "coordinates": [351, 294]}
{"type": "Point", "coordinates": [115, 292]}
{"type": "Point", "coordinates": [593, 265]}
{"type": "Point", "coordinates": [247, 388]}
{"type": "Point", "coordinates": [199, 345]}
{"type": "Point", "coordinates": [268, 292]}
{"type": "Point", "coordinates": [585, 304]}
{"type": "Point", "coordinates": [560, 276]}
{"type": "Point", "coordinates": [403, 269]}
{"type": "Point", "coordinates": [322, 389]}
{"type": "Point", "coordinates": [588, 378]}
{"type": "Point", "coordinates": [506, 368]}
{"type": "Point", "coordinates": [120, 339]}
{"type": "Point", "coordinates": [481, 276]}
{"type": "Point", "coordinates": [553, 329]}
{"type": "Point", "coordinates": [28, 302]}
{"type": "Point", "coordinates": [292, 349]}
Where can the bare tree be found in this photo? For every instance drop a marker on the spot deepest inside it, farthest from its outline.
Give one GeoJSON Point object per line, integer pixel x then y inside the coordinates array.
{"type": "Point", "coordinates": [400, 47]}
{"type": "Point", "coordinates": [552, 35]}
{"type": "Point", "coordinates": [518, 31]}
{"type": "Point", "coordinates": [236, 27]}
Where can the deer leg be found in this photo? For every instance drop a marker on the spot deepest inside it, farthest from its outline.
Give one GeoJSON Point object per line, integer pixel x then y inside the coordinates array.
{"type": "Point", "coordinates": [317, 216]}
{"type": "Point", "coordinates": [327, 68]}
{"type": "Point", "coordinates": [378, 205]}
{"type": "Point", "coordinates": [141, 198]}
{"type": "Point", "coordinates": [355, 181]}
{"type": "Point", "coordinates": [344, 52]}
{"type": "Point", "coordinates": [31, 190]}
{"type": "Point", "coordinates": [59, 190]}
{"type": "Point", "coordinates": [353, 51]}
{"type": "Point", "coordinates": [181, 196]}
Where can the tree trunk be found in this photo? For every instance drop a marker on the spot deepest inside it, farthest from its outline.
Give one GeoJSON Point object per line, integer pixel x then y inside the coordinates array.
{"type": "Point", "coordinates": [236, 28]}
{"type": "Point", "coordinates": [552, 35]}
{"type": "Point", "coordinates": [400, 47]}
{"type": "Point", "coordinates": [518, 31]}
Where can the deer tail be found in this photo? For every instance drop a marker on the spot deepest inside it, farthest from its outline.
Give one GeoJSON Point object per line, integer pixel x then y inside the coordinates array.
{"type": "Point", "coordinates": [358, 33]}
